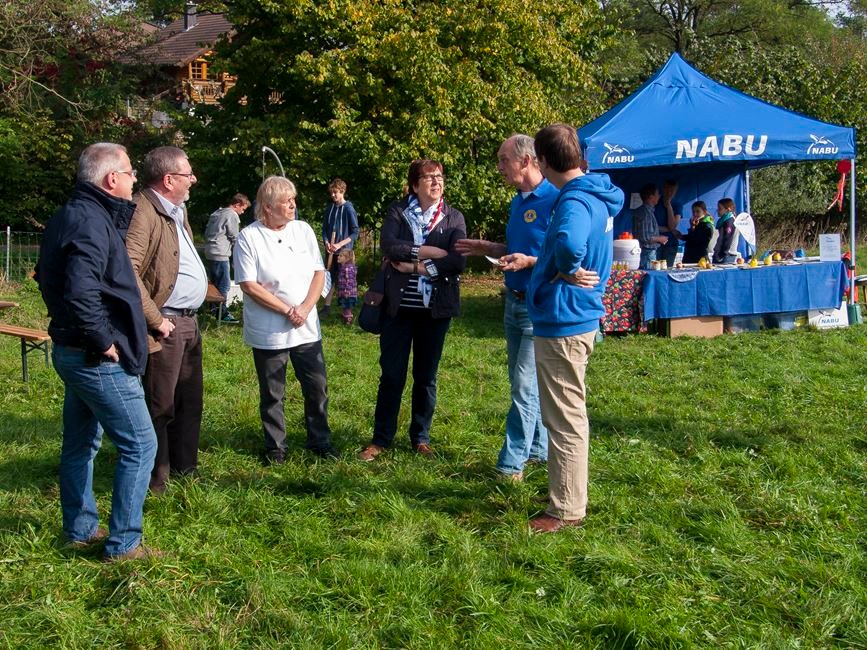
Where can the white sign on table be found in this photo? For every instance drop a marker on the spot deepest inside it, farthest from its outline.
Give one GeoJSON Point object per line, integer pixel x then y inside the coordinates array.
{"type": "Point", "coordinates": [829, 247]}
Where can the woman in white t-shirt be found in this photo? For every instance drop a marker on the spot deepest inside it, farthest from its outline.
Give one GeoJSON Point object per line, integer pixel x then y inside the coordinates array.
{"type": "Point", "coordinates": [279, 268]}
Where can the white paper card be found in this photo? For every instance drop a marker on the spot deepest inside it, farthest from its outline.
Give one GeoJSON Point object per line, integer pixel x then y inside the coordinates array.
{"type": "Point", "coordinates": [829, 247]}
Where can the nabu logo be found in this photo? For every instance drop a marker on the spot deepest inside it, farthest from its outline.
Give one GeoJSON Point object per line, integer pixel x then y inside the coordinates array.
{"type": "Point", "coordinates": [616, 154]}
{"type": "Point", "coordinates": [821, 145]}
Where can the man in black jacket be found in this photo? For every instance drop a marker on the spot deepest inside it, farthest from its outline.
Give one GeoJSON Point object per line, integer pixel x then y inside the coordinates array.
{"type": "Point", "coordinates": [100, 351]}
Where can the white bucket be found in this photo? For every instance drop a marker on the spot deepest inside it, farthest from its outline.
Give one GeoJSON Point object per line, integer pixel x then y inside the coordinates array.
{"type": "Point", "coordinates": [628, 251]}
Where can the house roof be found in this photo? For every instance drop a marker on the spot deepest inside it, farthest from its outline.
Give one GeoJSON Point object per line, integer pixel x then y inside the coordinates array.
{"type": "Point", "coordinates": [177, 47]}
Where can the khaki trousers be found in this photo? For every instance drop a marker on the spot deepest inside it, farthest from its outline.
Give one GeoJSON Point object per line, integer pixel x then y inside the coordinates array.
{"type": "Point", "coordinates": [561, 364]}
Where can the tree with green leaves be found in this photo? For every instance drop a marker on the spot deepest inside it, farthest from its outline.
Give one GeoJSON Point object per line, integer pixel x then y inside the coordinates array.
{"type": "Point", "coordinates": [359, 88]}
{"type": "Point", "coordinates": [60, 91]}
{"type": "Point", "coordinates": [686, 25]}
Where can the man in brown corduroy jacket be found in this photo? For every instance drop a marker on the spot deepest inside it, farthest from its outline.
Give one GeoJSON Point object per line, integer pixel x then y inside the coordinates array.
{"type": "Point", "coordinates": [173, 283]}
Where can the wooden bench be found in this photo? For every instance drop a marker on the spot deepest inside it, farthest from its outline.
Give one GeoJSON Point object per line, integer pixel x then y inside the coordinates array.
{"type": "Point", "coordinates": [213, 296]}
{"type": "Point", "coordinates": [860, 285]}
{"type": "Point", "coordinates": [31, 339]}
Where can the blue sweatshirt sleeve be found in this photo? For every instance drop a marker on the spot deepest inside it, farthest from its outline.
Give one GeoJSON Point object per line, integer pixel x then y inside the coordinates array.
{"type": "Point", "coordinates": [352, 222]}
{"type": "Point", "coordinates": [572, 234]}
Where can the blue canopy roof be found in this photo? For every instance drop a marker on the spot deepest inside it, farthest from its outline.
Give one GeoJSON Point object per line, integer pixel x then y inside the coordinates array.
{"type": "Point", "coordinates": [680, 117]}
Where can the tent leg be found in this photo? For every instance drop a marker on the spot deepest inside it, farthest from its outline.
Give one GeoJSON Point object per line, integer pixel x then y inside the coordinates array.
{"type": "Point", "coordinates": [853, 239]}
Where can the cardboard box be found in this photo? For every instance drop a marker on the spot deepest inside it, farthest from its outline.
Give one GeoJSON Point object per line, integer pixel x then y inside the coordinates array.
{"type": "Point", "coordinates": [703, 326]}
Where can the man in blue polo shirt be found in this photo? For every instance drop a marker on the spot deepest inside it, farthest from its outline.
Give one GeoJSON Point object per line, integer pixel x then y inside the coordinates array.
{"type": "Point", "coordinates": [526, 437]}
{"type": "Point", "coordinates": [565, 313]}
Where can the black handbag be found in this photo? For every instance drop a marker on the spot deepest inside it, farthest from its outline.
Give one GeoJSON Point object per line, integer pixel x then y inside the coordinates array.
{"type": "Point", "coordinates": [372, 308]}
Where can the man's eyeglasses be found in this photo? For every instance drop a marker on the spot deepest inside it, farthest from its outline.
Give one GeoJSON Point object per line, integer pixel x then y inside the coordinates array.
{"type": "Point", "coordinates": [432, 177]}
{"type": "Point", "coordinates": [190, 175]}
{"type": "Point", "coordinates": [131, 172]}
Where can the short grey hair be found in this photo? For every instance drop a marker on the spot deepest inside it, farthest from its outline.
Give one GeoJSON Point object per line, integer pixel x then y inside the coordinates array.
{"type": "Point", "coordinates": [523, 145]}
{"type": "Point", "coordinates": [98, 160]}
{"type": "Point", "coordinates": [159, 162]}
{"type": "Point", "coordinates": [271, 191]}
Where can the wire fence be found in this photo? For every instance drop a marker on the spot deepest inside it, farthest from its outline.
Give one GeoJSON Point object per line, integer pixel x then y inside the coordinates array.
{"type": "Point", "coordinates": [19, 252]}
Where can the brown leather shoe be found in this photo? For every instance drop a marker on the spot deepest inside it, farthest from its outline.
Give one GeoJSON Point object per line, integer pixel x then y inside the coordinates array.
{"type": "Point", "coordinates": [548, 524]}
{"type": "Point", "coordinates": [424, 450]}
{"type": "Point", "coordinates": [370, 452]}
{"type": "Point", "coordinates": [99, 535]}
{"type": "Point", "coordinates": [140, 552]}
{"type": "Point", "coordinates": [513, 477]}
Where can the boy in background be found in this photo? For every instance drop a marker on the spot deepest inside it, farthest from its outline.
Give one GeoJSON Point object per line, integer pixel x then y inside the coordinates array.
{"type": "Point", "coordinates": [220, 236]}
{"type": "Point", "coordinates": [339, 231]}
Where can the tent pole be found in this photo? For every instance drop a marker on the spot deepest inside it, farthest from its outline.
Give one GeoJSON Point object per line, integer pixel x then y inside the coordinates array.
{"type": "Point", "coordinates": [747, 207]}
{"type": "Point", "coordinates": [852, 238]}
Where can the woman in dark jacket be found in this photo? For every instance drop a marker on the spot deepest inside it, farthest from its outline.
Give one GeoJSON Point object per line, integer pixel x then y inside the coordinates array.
{"type": "Point", "coordinates": [421, 295]}
{"type": "Point", "coordinates": [697, 240]}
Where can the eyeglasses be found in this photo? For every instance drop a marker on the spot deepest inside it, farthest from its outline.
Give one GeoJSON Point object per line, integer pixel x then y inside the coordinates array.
{"type": "Point", "coordinates": [190, 175]}
{"type": "Point", "coordinates": [432, 177]}
{"type": "Point", "coordinates": [131, 172]}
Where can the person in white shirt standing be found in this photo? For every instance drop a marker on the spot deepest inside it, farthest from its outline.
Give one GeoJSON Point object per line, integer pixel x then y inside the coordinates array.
{"type": "Point", "coordinates": [279, 268]}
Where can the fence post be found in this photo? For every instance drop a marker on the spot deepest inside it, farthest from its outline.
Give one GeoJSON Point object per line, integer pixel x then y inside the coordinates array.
{"type": "Point", "coordinates": [8, 249]}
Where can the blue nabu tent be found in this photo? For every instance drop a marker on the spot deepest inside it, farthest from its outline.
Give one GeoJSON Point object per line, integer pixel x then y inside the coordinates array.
{"type": "Point", "coordinates": [683, 125]}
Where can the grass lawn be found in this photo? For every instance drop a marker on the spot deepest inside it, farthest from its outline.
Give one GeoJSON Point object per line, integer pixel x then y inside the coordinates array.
{"type": "Point", "coordinates": [726, 507]}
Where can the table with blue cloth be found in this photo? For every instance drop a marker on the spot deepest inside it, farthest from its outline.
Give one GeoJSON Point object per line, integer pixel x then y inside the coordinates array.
{"type": "Point", "coordinates": [684, 293]}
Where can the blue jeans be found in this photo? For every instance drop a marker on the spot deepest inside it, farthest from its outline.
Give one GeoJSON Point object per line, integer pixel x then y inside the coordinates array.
{"type": "Point", "coordinates": [526, 436]}
{"type": "Point", "coordinates": [648, 255]}
{"type": "Point", "coordinates": [219, 272]}
{"type": "Point", "coordinates": [101, 395]}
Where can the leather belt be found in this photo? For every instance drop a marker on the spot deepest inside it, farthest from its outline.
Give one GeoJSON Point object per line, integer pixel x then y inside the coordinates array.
{"type": "Point", "coordinates": [170, 311]}
{"type": "Point", "coordinates": [519, 295]}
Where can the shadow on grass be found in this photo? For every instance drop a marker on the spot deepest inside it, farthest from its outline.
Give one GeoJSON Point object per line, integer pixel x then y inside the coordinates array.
{"type": "Point", "coordinates": [16, 429]}
{"type": "Point", "coordinates": [679, 437]}
{"type": "Point", "coordinates": [39, 470]}
{"type": "Point", "coordinates": [439, 485]}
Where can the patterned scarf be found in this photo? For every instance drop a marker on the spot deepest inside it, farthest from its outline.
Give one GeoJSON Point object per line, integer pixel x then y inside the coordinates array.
{"type": "Point", "coordinates": [422, 222]}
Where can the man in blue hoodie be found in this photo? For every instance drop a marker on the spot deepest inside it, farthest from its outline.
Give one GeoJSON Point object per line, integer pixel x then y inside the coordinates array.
{"type": "Point", "coordinates": [565, 313]}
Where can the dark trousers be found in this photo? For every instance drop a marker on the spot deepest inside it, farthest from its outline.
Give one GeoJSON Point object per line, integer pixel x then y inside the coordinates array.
{"type": "Point", "coordinates": [410, 330]}
{"type": "Point", "coordinates": [308, 362]}
{"type": "Point", "coordinates": [668, 251]}
{"type": "Point", "coordinates": [173, 388]}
